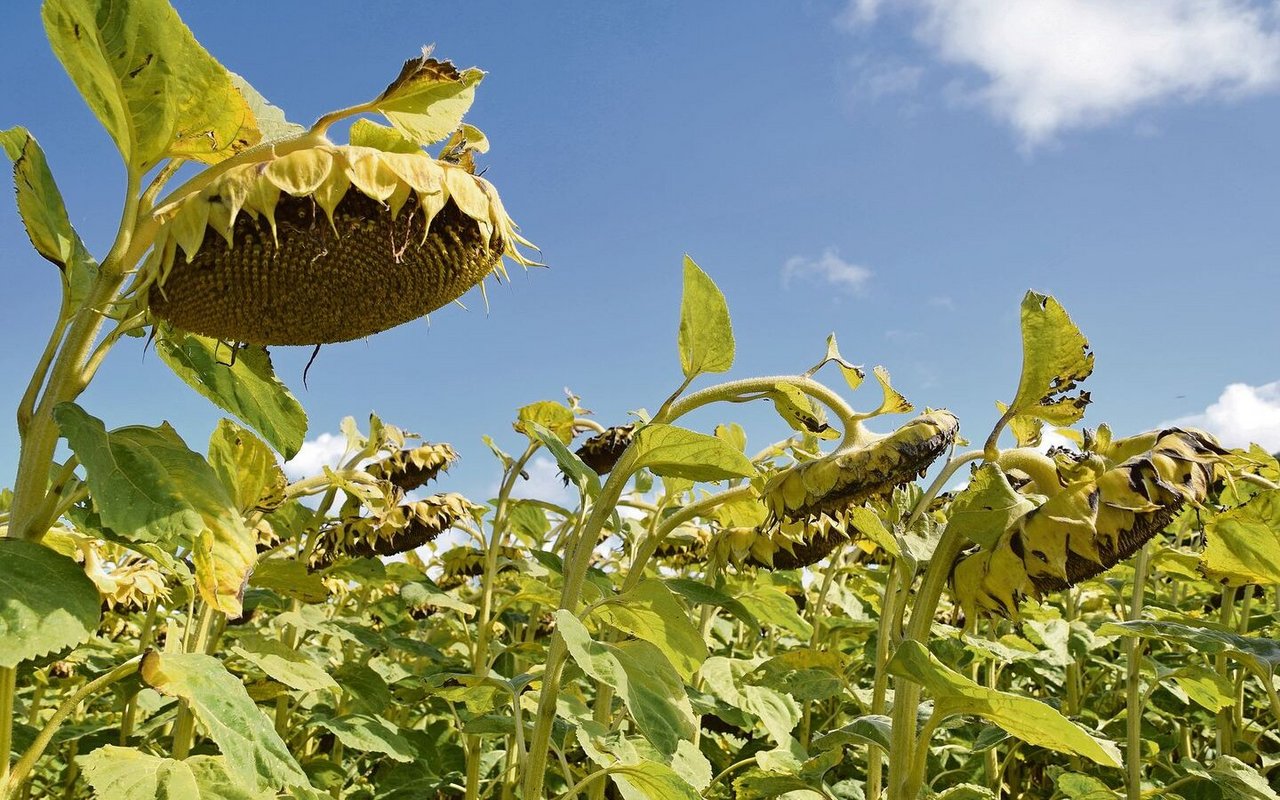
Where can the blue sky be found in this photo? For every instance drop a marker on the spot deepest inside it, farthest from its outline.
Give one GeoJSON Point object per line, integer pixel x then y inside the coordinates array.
{"type": "Point", "coordinates": [898, 172]}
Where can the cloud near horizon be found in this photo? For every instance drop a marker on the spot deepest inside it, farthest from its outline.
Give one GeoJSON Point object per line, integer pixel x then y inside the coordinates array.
{"type": "Point", "coordinates": [1049, 66]}
{"type": "Point", "coordinates": [1242, 415]}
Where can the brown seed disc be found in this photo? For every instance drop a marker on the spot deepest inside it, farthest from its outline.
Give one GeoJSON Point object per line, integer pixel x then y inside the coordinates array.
{"type": "Point", "coordinates": [317, 288]}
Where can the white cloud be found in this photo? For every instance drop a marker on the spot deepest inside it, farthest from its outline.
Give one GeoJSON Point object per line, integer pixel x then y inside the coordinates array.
{"type": "Point", "coordinates": [1054, 65]}
{"type": "Point", "coordinates": [829, 268]}
{"type": "Point", "coordinates": [1242, 415]}
{"type": "Point", "coordinates": [326, 450]}
{"type": "Point", "coordinates": [544, 483]}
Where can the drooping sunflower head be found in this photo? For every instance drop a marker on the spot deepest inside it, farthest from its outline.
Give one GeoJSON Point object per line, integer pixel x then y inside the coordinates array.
{"type": "Point", "coordinates": [1101, 516]}
{"type": "Point", "coordinates": [411, 467]}
{"type": "Point", "coordinates": [326, 244]}
{"type": "Point", "coordinates": [127, 583]}
{"type": "Point", "coordinates": [399, 529]}
{"type": "Point", "coordinates": [602, 451]}
{"type": "Point", "coordinates": [858, 474]}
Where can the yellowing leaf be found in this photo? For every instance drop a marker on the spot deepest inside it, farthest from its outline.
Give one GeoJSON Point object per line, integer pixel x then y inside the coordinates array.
{"type": "Point", "coordinates": [706, 335]}
{"type": "Point", "coordinates": [892, 402]}
{"type": "Point", "coordinates": [650, 612]}
{"type": "Point", "coordinates": [246, 466]}
{"type": "Point", "coordinates": [1242, 545]}
{"type": "Point", "coordinates": [44, 215]}
{"type": "Point", "coordinates": [427, 100]}
{"type": "Point", "coordinates": [1055, 359]}
{"type": "Point", "coordinates": [150, 83]}
{"type": "Point", "coordinates": [555, 417]}
{"type": "Point", "coordinates": [987, 506]}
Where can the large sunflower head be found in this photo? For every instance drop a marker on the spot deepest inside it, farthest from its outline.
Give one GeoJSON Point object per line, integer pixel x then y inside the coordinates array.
{"type": "Point", "coordinates": [325, 244]}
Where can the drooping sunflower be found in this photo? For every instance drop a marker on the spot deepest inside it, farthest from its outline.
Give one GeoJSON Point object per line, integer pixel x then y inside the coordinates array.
{"type": "Point", "coordinates": [326, 244]}
{"type": "Point", "coordinates": [1099, 514]}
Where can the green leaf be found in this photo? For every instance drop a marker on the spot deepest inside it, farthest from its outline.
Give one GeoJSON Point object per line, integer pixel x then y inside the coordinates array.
{"type": "Point", "coordinates": [1237, 779]}
{"type": "Point", "coordinates": [47, 603]}
{"type": "Point", "coordinates": [706, 335]}
{"type": "Point", "coordinates": [246, 466]}
{"type": "Point", "coordinates": [290, 578]}
{"type": "Point", "coordinates": [1029, 720]}
{"type": "Point", "coordinates": [1262, 656]}
{"type": "Point", "coordinates": [149, 487]}
{"type": "Point", "coordinates": [869, 524]}
{"type": "Point", "coordinates": [803, 673]}
{"type": "Point", "coordinates": [369, 734]}
{"type": "Point", "coordinates": [1055, 358]}
{"type": "Point", "coordinates": [653, 781]}
{"type": "Point", "coordinates": [777, 712]}
{"type": "Point", "coordinates": [249, 388]}
{"type": "Point", "coordinates": [153, 87]}
{"type": "Point", "coordinates": [287, 665]}
{"type": "Point", "coordinates": [871, 729]}
{"type": "Point", "coordinates": [127, 471]}
{"type": "Point", "coordinates": [1242, 545]}
{"type": "Point", "coordinates": [1083, 787]}
{"type": "Point", "coordinates": [255, 753]}
{"type": "Point", "coordinates": [650, 612]}
{"type": "Point", "coordinates": [987, 506]}
{"type": "Point", "coordinates": [271, 121]}
{"type": "Point", "coordinates": [367, 133]}
{"type": "Point", "coordinates": [642, 676]}
{"type": "Point", "coordinates": [125, 773]}
{"type": "Point", "coordinates": [670, 451]}
{"type": "Point", "coordinates": [969, 791]}
{"type": "Point", "coordinates": [44, 215]}
{"type": "Point", "coordinates": [772, 606]}
{"type": "Point", "coordinates": [1206, 688]}
{"type": "Point", "coordinates": [572, 466]}
{"type": "Point", "coordinates": [555, 417]}
{"type": "Point", "coordinates": [699, 592]}
{"type": "Point", "coordinates": [427, 100]}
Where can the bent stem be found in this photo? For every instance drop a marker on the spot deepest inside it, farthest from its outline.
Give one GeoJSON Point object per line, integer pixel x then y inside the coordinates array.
{"type": "Point", "coordinates": [23, 768]}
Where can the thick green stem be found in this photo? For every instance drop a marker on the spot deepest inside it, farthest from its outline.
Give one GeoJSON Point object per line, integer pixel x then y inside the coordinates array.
{"type": "Point", "coordinates": [815, 621]}
{"type": "Point", "coordinates": [65, 382]}
{"type": "Point", "coordinates": [577, 561]}
{"type": "Point", "coordinates": [10, 787]}
{"type": "Point", "coordinates": [880, 682]}
{"type": "Point", "coordinates": [8, 688]}
{"type": "Point", "coordinates": [1226, 718]}
{"type": "Point", "coordinates": [903, 783]}
{"type": "Point", "coordinates": [1133, 656]}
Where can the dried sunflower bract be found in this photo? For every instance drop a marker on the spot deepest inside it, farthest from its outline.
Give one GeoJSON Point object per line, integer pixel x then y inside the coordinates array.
{"type": "Point", "coordinates": [326, 244]}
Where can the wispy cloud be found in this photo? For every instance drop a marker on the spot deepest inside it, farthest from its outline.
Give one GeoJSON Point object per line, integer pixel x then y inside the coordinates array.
{"type": "Point", "coordinates": [829, 268]}
{"type": "Point", "coordinates": [1242, 415]}
{"type": "Point", "coordinates": [1050, 66]}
